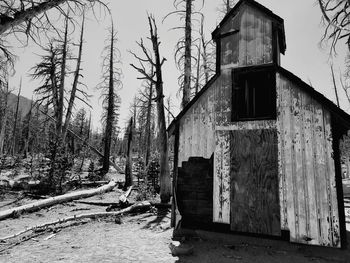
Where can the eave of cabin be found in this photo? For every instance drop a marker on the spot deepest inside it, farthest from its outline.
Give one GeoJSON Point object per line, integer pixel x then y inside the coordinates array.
{"type": "Point", "coordinates": [279, 21]}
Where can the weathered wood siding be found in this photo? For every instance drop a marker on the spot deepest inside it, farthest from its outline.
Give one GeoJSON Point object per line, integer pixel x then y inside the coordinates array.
{"type": "Point", "coordinates": [197, 126]}
{"type": "Point", "coordinates": [308, 194]}
{"type": "Point", "coordinates": [221, 190]}
{"type": "Point", "coordinates": [171, 154]}
{"type": "Point", "coordinates": [252, 44]}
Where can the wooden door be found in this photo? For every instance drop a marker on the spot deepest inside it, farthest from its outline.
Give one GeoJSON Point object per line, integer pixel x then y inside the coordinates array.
{"type": "Point", "coordinates": [254, 182]}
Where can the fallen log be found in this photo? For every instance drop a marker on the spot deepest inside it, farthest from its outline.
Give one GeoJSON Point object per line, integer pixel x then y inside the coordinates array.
{"type": "Point", "coordinates": [56, 200]}
{"type": "Point", "coordinates": [93, 183]}
{"type": "Point", "coordinates": [135, 207]}
{"type": "Point", "coordinates": [118, 205]}
{"type": "Point", "coordinates": [97, 203]}
{"type": "Point", "coordinates": [123, 199]}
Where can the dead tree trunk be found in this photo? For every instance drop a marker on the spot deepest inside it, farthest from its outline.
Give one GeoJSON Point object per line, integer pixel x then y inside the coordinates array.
{"type": "Point", "coordinates": [110, 109]}
{"type": "Point", "coordinates": [62, 82]}
{"type": "Point", "coordinates": [198, 70]}
{"type": "Point", "coordinates": [157, 80]}
{"type": "Point", "coordinates": [335, 86]}
{"type": "Point", "coordinates": [15, 124]}
{"type": "Point", "coordinates": [204, 52]}
{"type": "Point", "coordinates": [75, 83]}
{"type": "Point", "coordinates": [4, 118]}
{"type": "Point", "coordinates": [28, 132]}
{"type": "Point", "coordinates": [187, 63]}
{"type": "Point", "coordinates": [128, 165]}
{"type": "Point", "coordinates": [148, 124]}
{"type": "Point", "coordinates": [56, 200]}
{"type": "Point", "coordinates": [86, 141]}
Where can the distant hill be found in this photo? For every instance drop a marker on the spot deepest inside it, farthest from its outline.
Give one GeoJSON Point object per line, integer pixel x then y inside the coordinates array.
{"type": "Point", "coordinates": [24, 104]}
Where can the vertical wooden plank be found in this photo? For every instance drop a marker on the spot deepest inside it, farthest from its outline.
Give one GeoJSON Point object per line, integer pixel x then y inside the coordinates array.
{"type": "Point", "coordinates": [203, 128]}
{"type": "Point", "coordinates": [181, 142]}
{"type": "Point", "coordinates": [321, 184]}
{"type": "Point", "coordinates": [190, 133]}
{"type": "Point", "coordinates": [288, 162]}
{"type": "Point", "coordinates": [298, 175]}
{"type": "Point", "coordinates": [282, 106]}
{"type": "Point", "coordinates": [196, 131]}
{"type": "Point", "coordinates": [332, 190]}
{"type": "Point", "coordinates": [211, 120]}
{"type": "Point", "coordinates": [221, 196]}
{"type": "Point", "coordinates": [313, 226]}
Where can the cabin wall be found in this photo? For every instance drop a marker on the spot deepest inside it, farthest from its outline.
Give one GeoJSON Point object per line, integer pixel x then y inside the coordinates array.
{"type": "Point", "coordinates": [308, 194]}
{"type": "Point", "coordinates": [252, 44]}
{"type": "Point", "coordinates": [222, 164]}
{"type": "Point", "coordinates": [197, 126]}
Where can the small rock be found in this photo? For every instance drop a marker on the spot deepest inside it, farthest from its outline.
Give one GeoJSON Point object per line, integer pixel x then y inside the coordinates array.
{"type": "Point", "coordinates": [233, 247]}
{"type": "Point", "coordinates": [178, 249]}
{"type": "Point", "coordinates": [118, 220]}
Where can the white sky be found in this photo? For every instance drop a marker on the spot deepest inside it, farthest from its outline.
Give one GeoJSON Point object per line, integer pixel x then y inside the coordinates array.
{"type": "Point", "coordinates": [303, 57]}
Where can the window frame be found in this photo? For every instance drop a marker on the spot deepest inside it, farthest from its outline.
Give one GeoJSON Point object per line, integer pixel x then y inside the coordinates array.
{"type": "Point", "coordinates": [235, 73]}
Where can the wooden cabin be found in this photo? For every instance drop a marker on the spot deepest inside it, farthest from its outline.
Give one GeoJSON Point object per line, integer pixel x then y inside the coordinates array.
{"type": "Point", "coordinates": [256, 151]}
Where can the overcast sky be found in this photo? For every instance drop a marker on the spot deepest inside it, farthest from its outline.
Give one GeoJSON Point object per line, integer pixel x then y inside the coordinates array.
{"type": "Point", "coordinates": [303, 57]}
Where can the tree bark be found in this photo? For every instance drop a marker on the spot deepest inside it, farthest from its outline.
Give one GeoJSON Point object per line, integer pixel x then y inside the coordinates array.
{"type": "Point", "coordinates": [56, 200]}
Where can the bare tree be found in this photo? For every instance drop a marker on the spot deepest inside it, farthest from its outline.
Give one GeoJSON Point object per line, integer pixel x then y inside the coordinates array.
{"type": "Point", "coordinates": [74, 90]}
{"type": "Point", "coordinates": [206, 58]}
{"type": "Point", "coordinates": [335, 15]}
{"type": "Point", "coordinates": [62, 76]}
{"type": "Point", "coordinates": [128, 163]}
{"type": "Point", "coordinates": [4, 92]}
{"type": "Point", "coordinates": [48, 71]}
{"type": "Point", "coordinates": [184, 57]}
{"type": "Point", "coordinates": [110, 84]}
{"type": "Point", "coordinates": [154, 61]}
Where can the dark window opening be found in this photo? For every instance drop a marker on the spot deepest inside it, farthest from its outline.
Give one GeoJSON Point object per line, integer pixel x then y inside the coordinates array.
{"type": "Point", "coordinates": [254, 94]}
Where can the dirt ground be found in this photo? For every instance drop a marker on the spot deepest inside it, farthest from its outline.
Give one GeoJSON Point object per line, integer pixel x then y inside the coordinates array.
{"type": "Point", "coordinates": [141, 237]}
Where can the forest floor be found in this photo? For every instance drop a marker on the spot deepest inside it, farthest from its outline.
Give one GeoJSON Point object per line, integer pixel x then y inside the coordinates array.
{"type": "Point", "coordinates": [142, 237]}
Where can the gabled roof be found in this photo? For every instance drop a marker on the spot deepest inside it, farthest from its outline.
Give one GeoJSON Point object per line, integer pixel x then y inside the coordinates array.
{"type": "Point", "coordinates": [279, 21]}
{"type": "Point", "coordinates": [300, 83]}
